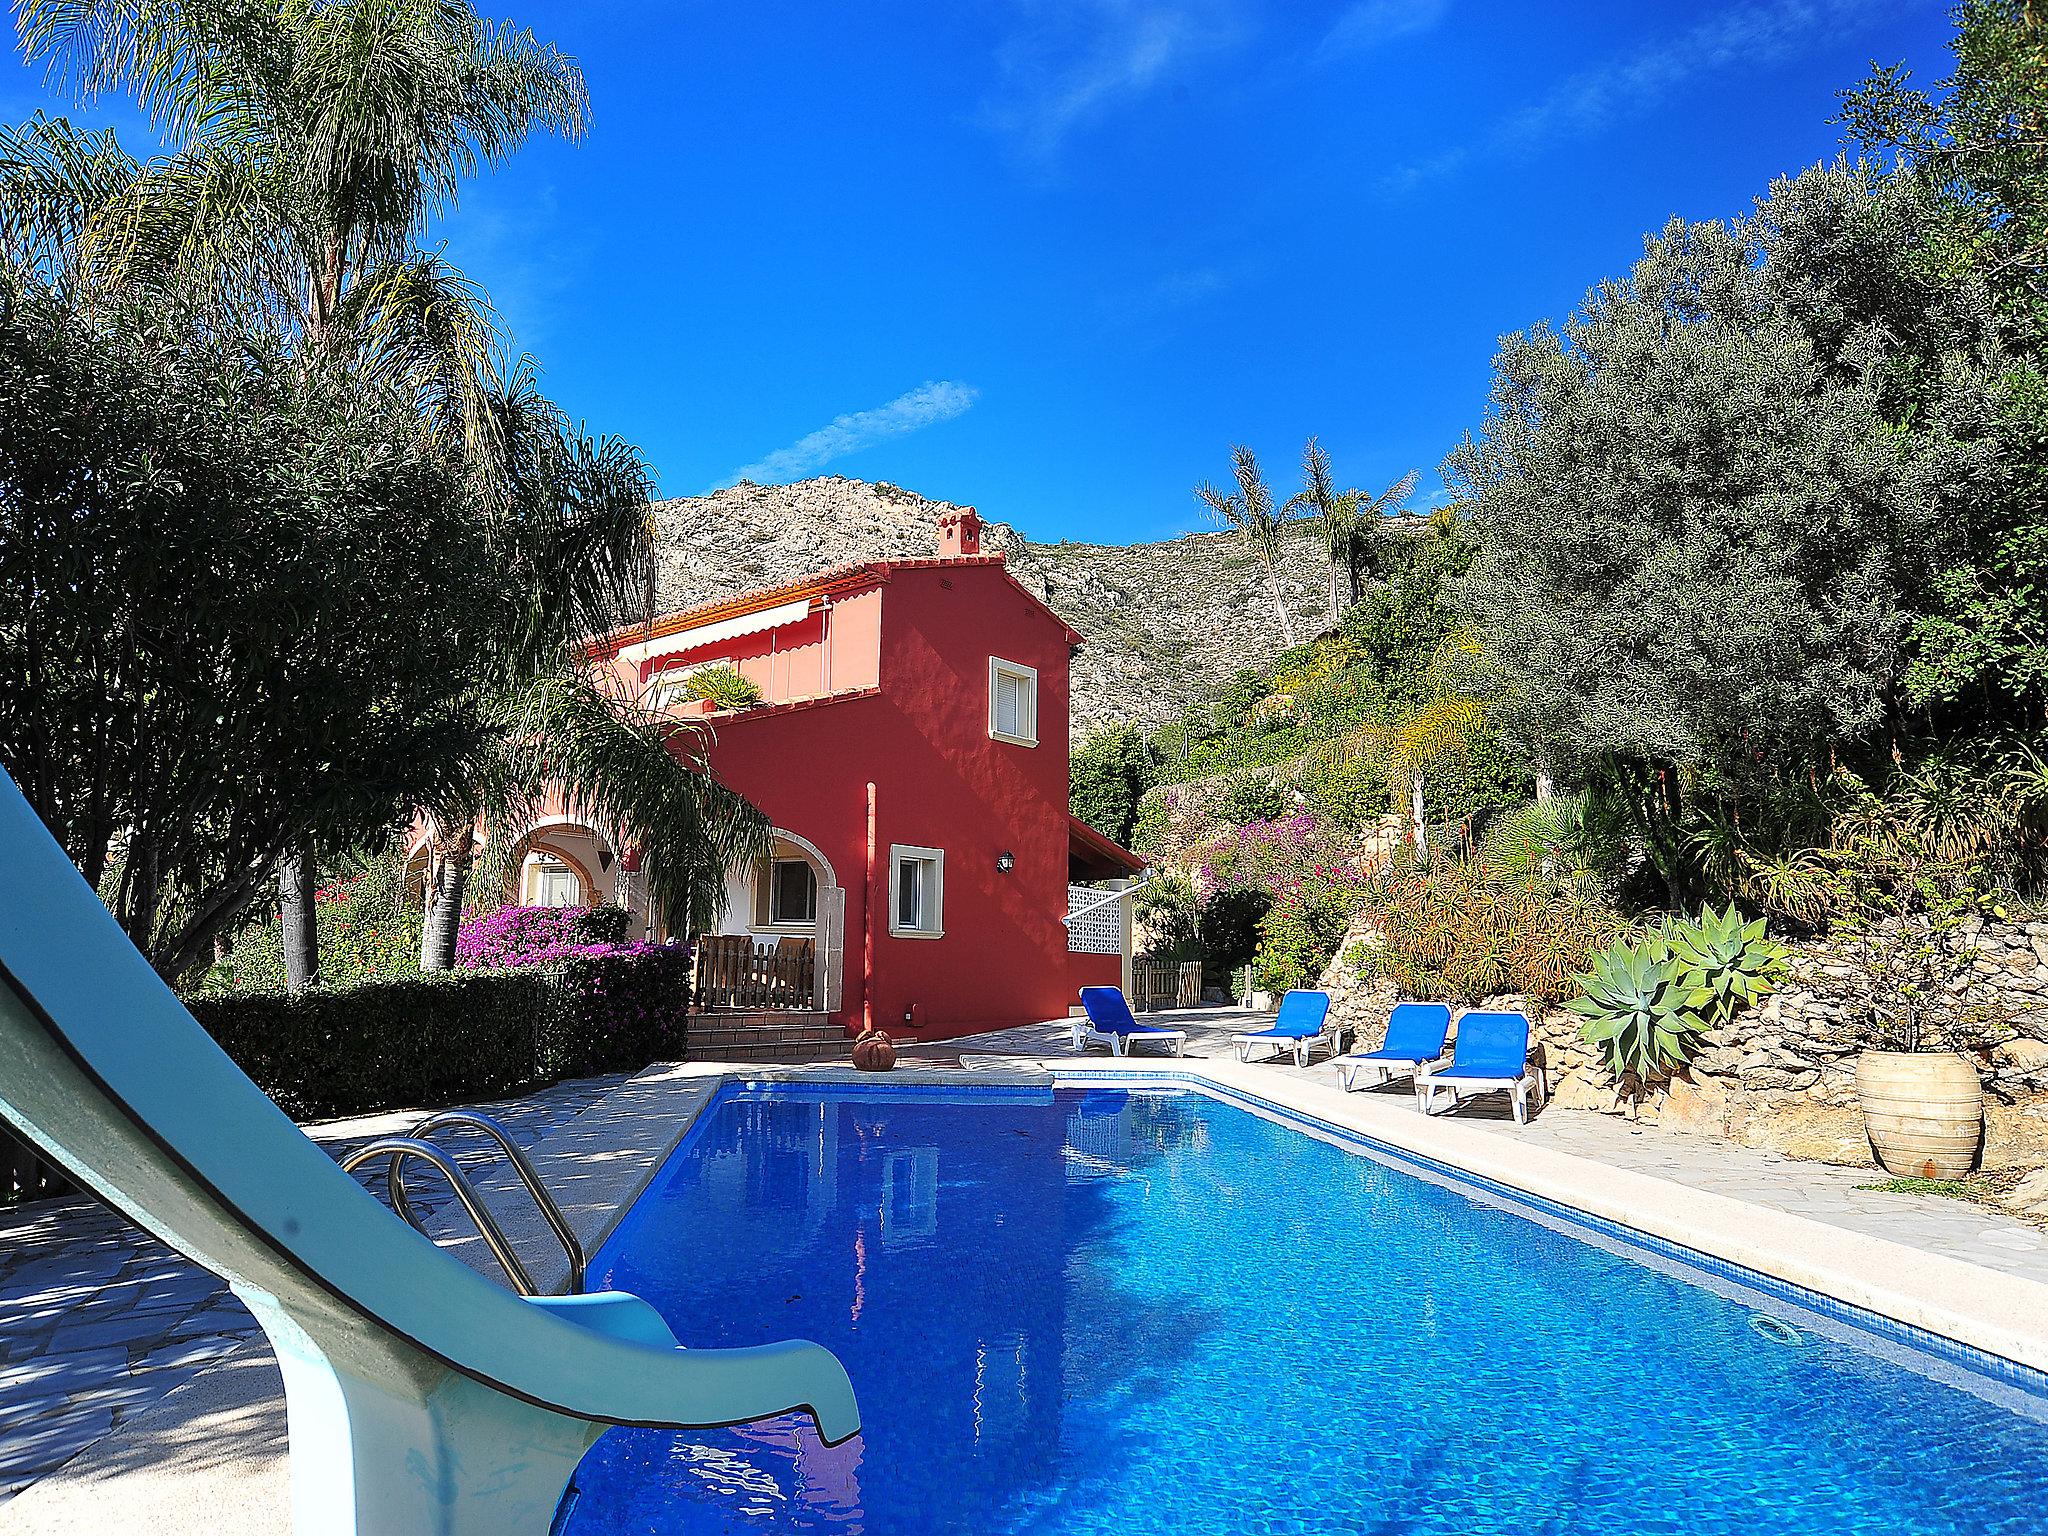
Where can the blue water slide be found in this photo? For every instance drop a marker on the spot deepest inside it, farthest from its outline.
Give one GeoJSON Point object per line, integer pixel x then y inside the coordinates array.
{"type": "Point", "coordinates": [422, 1396]}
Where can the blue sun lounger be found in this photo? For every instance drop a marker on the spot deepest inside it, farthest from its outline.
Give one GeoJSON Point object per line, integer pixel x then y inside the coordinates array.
{"type": "Point", "coordinates": [1490, 1053]}
{"type": "Point", "coordinates": [421, 1396]}
{"type": "Point", "coordinates": [1304, 1019]}
{"type": "Point", "coordinates": [1106, 1017]}
{"type": "Point", "coordinates": [1415, 1037]}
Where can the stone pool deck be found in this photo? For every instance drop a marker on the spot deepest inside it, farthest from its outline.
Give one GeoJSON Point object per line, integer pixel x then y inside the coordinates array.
{"type": "Point", "coordinates": [134, 1389]}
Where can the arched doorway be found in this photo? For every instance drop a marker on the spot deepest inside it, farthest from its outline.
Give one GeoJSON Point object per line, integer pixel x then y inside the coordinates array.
{"type": "Point", "coordinates": [792, 897]}
{"type": "Point", "coordinates": [562, 862]}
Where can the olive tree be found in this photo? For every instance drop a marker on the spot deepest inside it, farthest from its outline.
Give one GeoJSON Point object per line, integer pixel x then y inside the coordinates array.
{"type": "Point", "coordinates": [1698, 530]}
{"type": "Point", "coordinates": [225, 596]}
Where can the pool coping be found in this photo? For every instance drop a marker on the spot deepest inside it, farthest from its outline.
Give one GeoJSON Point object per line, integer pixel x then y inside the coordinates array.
{"type": "Point", "coordinates": [1979, 1317]}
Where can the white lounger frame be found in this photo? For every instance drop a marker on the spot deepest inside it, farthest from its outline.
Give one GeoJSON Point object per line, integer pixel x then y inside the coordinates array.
{"type": "Point", "coordinates": [1119, 1043]}
{"type": "Point", "coordinates": [1302, 1047]}
{"type": "Point", "coordinates": [1351, 1068]}
{"type": "Point", "coordinates": [1428, 1085]}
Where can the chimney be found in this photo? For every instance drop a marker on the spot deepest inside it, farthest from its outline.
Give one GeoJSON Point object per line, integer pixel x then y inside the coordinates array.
{"type": "Point", "coordinates": [960, 533]}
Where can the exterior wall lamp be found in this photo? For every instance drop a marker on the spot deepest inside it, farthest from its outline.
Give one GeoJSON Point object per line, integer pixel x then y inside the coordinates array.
{"type": "Point", "coordinates": [1005, 862]}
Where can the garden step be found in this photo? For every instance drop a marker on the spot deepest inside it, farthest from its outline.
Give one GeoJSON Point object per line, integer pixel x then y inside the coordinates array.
{"type": "Point", "coordinates": [759, 1034]}
{"type": "Point", "coordinates": [795, 1034]}
{"type": "Point", "coordinates": [773, 1050]}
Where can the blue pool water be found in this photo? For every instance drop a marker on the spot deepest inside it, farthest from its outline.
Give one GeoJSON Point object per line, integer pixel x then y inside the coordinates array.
{"type": "Point", "coordinates": [1154, 1314]}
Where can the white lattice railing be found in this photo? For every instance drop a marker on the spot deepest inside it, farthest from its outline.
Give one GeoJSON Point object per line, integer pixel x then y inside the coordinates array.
{"type": "Point", "coordinates": [1096, 932]}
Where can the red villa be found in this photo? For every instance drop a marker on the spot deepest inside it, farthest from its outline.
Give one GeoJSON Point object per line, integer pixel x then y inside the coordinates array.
{"type": "Point", "coordinates": [910, 747]}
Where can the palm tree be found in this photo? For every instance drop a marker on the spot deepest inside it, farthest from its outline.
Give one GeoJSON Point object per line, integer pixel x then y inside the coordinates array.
{"type": "Point", "coordinates": [309, 143]}
{"type": "Point", "coordinates": [1249, 510]}
{"type": "Point", "coordinates": [1347, 520]}
{"type": "Point", "coordinates": [578, 553]}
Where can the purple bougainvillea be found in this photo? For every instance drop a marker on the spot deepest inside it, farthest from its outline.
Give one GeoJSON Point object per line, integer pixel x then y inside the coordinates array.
{"type": "Point", "coordinates": [1281, 856]}
{"type": "Point", "coordinates": [516, 936]}
{"type": "Point", "coordinates": [616, 1003]}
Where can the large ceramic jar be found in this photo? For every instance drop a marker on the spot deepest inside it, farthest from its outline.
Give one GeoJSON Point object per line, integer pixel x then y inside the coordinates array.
{"type": "Point", "coordinates": [1923, 1110]}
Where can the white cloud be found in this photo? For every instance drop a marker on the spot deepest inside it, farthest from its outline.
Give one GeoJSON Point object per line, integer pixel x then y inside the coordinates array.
{"type": "Point", "coordinates": [1744, 38]}
{"type": "Point", "coordinates": [1168, 293]}
{"type": "Point", "coordinates": [1367, 23]}
{"type": "Point", "coordinates": [1076, 60]}
{"type": "Point", "coordinates": [925, 406]}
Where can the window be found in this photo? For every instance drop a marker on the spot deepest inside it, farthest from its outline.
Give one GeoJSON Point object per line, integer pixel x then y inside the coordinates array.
{"type": "Point", "coordinates": [785, 894]}
{"type": "Point", "coordinates": [910, 1194]}
{"type": "Point", "coordinates": [1012, 702]}
{"type": "Point", "coordinates": [665, 690]}
{"type": "Point", "coordinates": [553, 884]}
{"type": "Point", "coordinates": [917, 892]}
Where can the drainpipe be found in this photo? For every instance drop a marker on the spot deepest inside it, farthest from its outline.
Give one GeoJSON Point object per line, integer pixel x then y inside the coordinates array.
{"type": "Point", "coordinates": [867, 990]}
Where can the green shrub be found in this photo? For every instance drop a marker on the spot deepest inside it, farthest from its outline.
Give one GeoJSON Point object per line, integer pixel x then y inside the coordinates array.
{"type": "Point", "coordinates": [367, 931]}
{"type": "Point", "coordinates": [615, 1013]}
{"type": "Point", "coordinates": [449, 1037]}
{"type": "Point", "coordinates": [1153, 822]}
{"type": "Point", "coordinates": [1229, 932]}
{"type": "Point", "coordinates": [1250, 797]}
{"type": "Point", "coordinates": [723, 686]}
{"type": "Point", "coordinates": [1300, 932]}
{"type": "Point", "coordinates": [603, 924]}
{"type": "Point", "coordinates": [427, 1040]}
{"type": "Point", "coordinates": [1344, 788]}
{"type": "Point", "coordinates": [1107, 776]}
{"type": "Point", "coordinates": [1648, 1000]}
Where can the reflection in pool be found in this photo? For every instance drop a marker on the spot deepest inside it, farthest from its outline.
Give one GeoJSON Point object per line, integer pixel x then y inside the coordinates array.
{"type": "Point", "coordinates": [1149, 1313]}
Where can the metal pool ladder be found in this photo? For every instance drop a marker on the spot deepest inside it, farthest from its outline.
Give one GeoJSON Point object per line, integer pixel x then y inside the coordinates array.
{"type": "Point", "coordinates": [401, 1149]}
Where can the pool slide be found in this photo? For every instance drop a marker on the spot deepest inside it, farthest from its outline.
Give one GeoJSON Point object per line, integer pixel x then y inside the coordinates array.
{"type": "Point", "coordinates": [421, 1396]}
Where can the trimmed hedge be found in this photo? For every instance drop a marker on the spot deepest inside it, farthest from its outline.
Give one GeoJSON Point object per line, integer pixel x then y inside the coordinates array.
{"type": "Point", "coordinates": [612, 1013]}
{"type": "Point", "coordinates": [455, 1036]}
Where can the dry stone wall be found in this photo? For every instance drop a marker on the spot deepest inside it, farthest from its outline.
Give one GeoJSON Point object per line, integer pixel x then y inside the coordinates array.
{"type": "Point", "coordinates": [1793, 1048]}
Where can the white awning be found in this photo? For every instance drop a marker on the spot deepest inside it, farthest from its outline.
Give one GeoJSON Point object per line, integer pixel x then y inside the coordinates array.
{"type": "Point", "coordinates": [724, 629]}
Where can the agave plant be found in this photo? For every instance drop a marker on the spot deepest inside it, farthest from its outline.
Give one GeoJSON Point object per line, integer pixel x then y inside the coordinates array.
{"type": "Point", "coordinates": [1639, 1007]}
{"type": "Point", "coordinates": [1725, 964]}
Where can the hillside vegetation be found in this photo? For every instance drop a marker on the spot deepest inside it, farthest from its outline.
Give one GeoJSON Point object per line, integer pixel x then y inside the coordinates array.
{"type": "Point", "coordinates": [1165, 624]}
{"type": "Point", "coordinates": [1744, 565]}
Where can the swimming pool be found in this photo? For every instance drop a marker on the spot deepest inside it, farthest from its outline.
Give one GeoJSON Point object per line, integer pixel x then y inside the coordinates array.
{"type": "Point", "coordinates": [1098, 1311]}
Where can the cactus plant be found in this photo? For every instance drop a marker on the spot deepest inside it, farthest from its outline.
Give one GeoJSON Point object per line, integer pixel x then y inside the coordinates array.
{"type": "Point", "coordinates": [1637, 1005]}
{"type": "Point", "coordinates": [1649, 999]}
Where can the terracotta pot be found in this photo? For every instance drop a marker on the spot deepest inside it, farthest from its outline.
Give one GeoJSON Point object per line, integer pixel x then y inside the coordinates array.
{"type": "Point", "coordinates": [1923, 1111]}
{"type": "Point", "coordinates": [872, 1052]}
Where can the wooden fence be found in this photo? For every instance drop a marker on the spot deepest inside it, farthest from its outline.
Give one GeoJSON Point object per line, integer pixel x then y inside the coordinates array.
{"type": "Point", "coordinates": [1166, 984]}
{"type": "Point", "coordinates": [25, 1174]}
{"type": "Point", "coordinates": [732, 973]}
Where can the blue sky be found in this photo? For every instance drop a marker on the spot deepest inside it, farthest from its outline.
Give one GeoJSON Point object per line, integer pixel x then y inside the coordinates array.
{"type": "Point", "coordinates": [1052, 257]}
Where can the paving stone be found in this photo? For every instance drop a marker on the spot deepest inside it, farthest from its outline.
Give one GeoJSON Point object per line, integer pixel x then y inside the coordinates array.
{"type": "Point", "coordinates": [98, 1320]}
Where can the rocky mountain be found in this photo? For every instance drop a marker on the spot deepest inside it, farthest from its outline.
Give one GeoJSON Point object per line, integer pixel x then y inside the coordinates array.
{"type": "Point", "coordinates": [1166, 624]}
